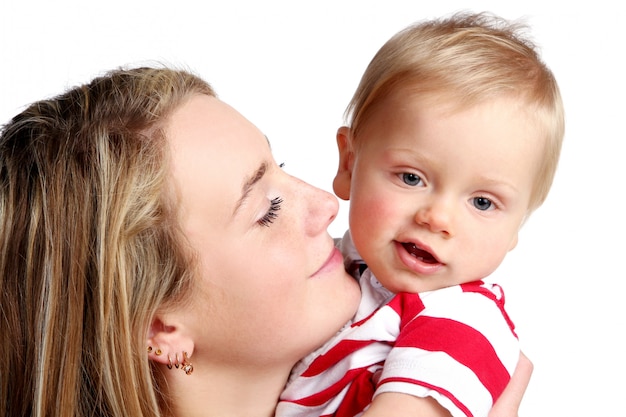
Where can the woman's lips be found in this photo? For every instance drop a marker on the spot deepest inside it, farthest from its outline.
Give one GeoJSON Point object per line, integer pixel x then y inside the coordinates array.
{"type": "Point", "coordinates": [334, 260]}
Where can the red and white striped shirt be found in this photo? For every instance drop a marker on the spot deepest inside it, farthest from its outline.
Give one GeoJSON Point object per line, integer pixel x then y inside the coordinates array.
{"type": "Point", "coordinates": [456, 345]}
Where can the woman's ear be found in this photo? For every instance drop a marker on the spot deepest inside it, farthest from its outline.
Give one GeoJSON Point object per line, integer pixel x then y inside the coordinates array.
{"type": "Point", "coordinates": [166, 341]}
{"type": "Point", "coordinates": [341, 183]}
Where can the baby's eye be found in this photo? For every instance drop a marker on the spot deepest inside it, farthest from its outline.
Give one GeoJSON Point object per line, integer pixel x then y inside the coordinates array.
{"type": "Point", "coordinates": [411, 179]}
{"type": "Point", "coordinates": [483, 203]}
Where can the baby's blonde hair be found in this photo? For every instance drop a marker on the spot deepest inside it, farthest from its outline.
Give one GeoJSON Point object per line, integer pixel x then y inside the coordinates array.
{"type": "Point", "coordinates": [467, 58]}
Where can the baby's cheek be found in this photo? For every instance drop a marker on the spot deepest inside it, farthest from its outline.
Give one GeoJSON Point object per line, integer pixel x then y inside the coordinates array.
{"type": "Point", "coordinates": [375, 206]}
{"type": "Point", "coordinates": [363, 210]}
{"type": "Point", "coordinates": [371, 217]}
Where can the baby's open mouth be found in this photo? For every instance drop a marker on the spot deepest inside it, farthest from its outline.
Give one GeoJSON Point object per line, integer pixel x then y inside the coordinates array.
{"type": "Point", "coordinates": [420, 254]}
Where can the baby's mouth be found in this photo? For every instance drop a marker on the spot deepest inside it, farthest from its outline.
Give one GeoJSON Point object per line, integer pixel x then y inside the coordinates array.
{"type": "Point", "coordinates": [420, 254]}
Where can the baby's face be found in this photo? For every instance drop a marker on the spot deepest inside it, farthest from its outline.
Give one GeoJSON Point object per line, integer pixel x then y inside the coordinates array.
{"type": "Point", "coordinates": [437, 194]}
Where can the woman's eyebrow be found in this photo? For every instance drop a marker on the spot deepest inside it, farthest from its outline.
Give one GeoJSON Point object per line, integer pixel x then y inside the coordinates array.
{"type": "Point", "coordinates": [249, 184]}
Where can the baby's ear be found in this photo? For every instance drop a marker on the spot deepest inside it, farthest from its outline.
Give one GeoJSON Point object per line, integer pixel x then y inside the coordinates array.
{"type": "Point", "coordinates": [341, 184]}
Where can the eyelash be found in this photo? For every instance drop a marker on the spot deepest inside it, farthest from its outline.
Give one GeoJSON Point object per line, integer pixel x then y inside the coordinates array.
{"type": "Point", "coordinates": [272, 212]}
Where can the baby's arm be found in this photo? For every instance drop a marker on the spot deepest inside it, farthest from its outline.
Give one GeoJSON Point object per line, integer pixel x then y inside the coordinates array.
{"type": "Point", "coordinates": [507, 405]}
{"type": "Point", "coordinates": [399, 405]}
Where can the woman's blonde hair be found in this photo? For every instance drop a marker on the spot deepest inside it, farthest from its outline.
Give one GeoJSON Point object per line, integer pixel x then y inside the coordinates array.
{"type": "Point", "coordinates": [89, 245]}
{"type": "Point", "coordinates": [467, 58]}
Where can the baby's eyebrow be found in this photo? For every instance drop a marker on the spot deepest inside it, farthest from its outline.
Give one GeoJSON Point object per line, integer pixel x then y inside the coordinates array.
{"type": "Point", "coordinates": [501, 183]}
{"type": "Point", "coordinates": [249, 184]}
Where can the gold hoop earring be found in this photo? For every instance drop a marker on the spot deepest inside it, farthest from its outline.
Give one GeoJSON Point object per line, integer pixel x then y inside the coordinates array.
{"type": "Point", "coordinates": [177, 364]}
{"type": "Point", "coordinates": [169, 360]}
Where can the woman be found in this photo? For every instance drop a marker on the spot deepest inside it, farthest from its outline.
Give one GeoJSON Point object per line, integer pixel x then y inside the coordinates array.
{"type": "Point", "coordinates": [155, 260]}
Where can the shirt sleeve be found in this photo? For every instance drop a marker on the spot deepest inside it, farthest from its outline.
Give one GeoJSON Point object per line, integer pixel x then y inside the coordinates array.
{"type": "Point", "coordinates": [456, 345]}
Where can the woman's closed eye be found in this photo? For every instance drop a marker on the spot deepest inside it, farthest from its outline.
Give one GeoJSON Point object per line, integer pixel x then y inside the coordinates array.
{"type": "Point", "coordinates": [272, 213]}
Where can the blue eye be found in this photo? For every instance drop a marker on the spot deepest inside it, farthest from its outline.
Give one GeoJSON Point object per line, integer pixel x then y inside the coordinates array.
{"type": "Point", "coordinates": [272, 212]}
{"type": "Point", "coordinates": [482, 203]}
{"type": "Point", "coordinates": [411, 179]}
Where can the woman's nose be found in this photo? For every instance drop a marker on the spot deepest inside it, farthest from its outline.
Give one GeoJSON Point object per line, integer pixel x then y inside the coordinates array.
{"type": "Point", "coordinates": [322, 208]}
{"type": "Point", "coordinates": [436, 215]}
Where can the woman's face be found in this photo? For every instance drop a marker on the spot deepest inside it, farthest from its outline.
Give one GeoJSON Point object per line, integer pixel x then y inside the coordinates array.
{"type": "Point", "coordinates": [273, 286]}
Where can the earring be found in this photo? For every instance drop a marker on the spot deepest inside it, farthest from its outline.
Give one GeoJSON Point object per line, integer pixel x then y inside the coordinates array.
{"type": "Point", "coordinates": [157, 352]}
{"type": "Point", "coordinates": [169, 360]}
{"type": "Point", "coordinates": [187, 366]}
{"type": "Point", "coordinates": [177, 365]}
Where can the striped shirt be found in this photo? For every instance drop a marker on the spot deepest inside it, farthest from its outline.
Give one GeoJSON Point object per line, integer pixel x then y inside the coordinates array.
{"type": "Point", "coordinates": [456, 345]}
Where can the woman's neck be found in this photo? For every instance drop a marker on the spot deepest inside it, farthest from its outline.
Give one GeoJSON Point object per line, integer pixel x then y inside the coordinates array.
{"type": "Point", "coordinates": [226, 392]}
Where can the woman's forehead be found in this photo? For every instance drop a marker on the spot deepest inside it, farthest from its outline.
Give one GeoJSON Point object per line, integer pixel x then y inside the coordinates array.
{"type": "Point", "coordinates": [214, 153]}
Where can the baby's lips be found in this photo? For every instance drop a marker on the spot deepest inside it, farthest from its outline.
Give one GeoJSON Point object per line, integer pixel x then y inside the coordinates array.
{"type": "Point", "coordinates": [419, 253]}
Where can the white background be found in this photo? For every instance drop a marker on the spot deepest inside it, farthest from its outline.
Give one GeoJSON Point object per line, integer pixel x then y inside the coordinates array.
{"type": "Point", "coordinates": [291, 68]}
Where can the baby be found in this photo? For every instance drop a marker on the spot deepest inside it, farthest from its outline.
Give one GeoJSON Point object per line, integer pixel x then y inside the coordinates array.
{"type": "Point", "coordinates": [454, 138]}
